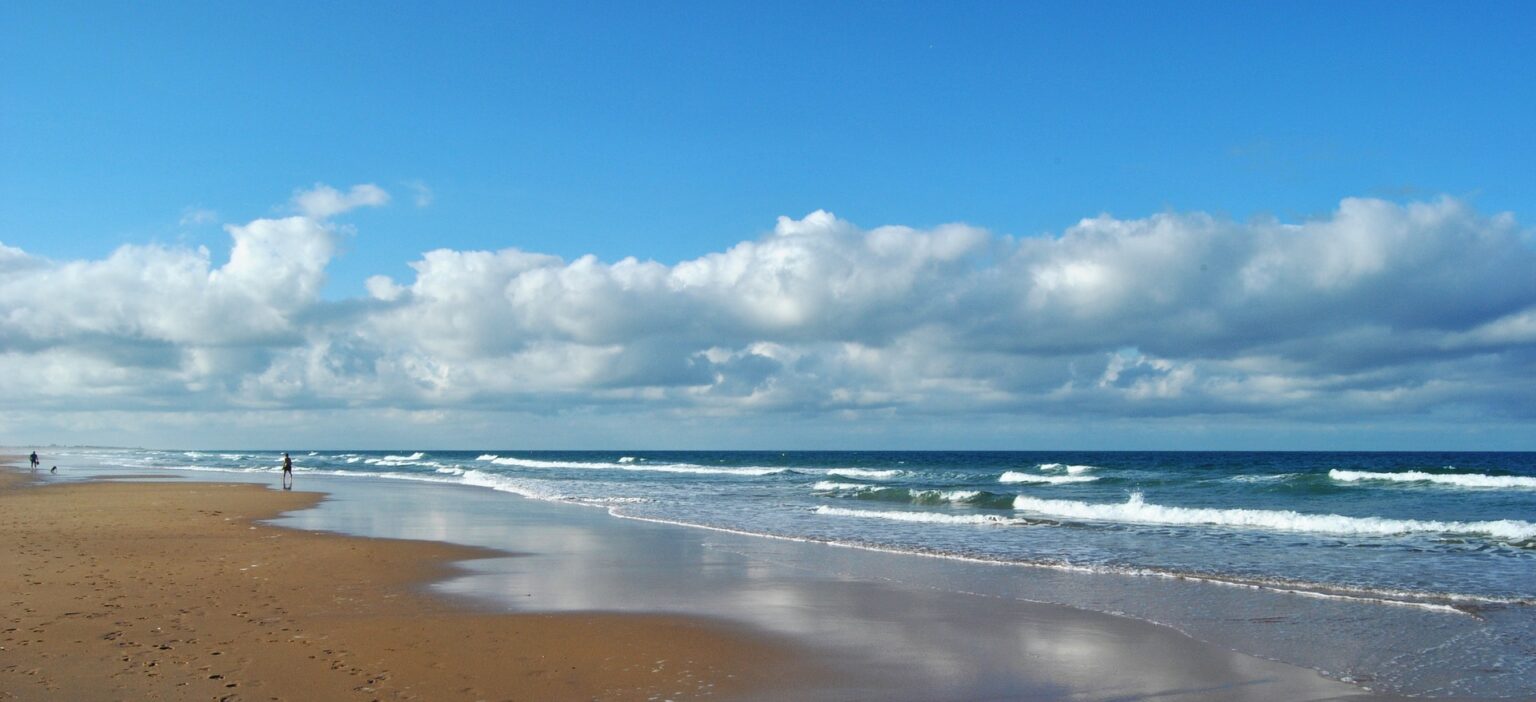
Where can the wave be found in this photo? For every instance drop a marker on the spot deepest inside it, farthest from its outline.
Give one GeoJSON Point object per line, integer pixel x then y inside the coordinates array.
{"type": "Point", "coordinates": [413, 457]}
{"type": "Point", "coordinates": [866, 491]}
{"type": "Point", "coordinates": [703, 470]}
{"type": "Point", "coordinates": [833, 486]}
{"type": "Point", "coordinates": [531, 463]}
{"type": "Point", "coordinates": [1266, 478]}
{"type": "Point", "coordinates": [866, 473]}
{"type": "Point", "coordinates": [1070, 469]}
{"type": "Point", "coordinates": [395, 462]}
{"type": "Point", "coordinates": [923, 517]}
{"type": "Point", "coordinates": [1014, 476]}
{"type": "Point", "coordinates": [1137, 510]}
{"type": "Point", "coordinates": [1467, 480]}
{"type": "Point", "coordinates": [646, 467]}
{"type": "Point", "coordinates": [627, 459]}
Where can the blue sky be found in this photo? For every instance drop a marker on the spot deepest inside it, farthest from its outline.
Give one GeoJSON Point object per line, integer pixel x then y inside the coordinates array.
{"type": "Point", "coordinates": [674, 132]}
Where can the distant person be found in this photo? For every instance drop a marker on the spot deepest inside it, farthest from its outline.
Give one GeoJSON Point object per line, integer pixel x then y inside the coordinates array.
{"type": "Point", "coordinates": [34, 460]}
{"type": "Point", "coordinates": [287, 472]}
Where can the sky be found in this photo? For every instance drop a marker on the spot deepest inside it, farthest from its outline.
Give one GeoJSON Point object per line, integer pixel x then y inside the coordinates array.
{"type": "Point", "coordinates": [768, 226]}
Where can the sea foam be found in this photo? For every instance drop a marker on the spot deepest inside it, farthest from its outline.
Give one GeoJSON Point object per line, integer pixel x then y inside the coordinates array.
{"type": "Point", "coordinates": [923, 517]}
{"type": "Point", "coordinates": [1467, 480]}
{"type": "Point", "coordinates": [1014, 476]}
{"type": "Point", "coordinates": [834, 486]}
{"type": "Point", "coordinates": [1070, 469]}
{"type": "Point", "coordinates": [687, 468]}
{"type": "Point", "coordinates": [1137, 510]}
{"type": "Point", "coordinates": [901, 494]}
{"type": "Point", "coordinates": [866, 473]}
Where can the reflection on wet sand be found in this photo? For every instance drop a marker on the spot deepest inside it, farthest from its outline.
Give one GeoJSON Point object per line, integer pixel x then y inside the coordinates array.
{"type": "Point", "coordinates": [902, 627]}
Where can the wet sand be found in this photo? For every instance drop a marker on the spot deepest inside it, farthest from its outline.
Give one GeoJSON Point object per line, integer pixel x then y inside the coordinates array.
{"type": "Point", "coordinates": [171, 590]}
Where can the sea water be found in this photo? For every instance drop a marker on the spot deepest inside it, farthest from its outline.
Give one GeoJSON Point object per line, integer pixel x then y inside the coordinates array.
{"type": "Point", "coordinates": [1430, 558]}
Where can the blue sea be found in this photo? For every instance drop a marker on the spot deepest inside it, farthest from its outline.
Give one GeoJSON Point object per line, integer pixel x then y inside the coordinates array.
{"type": "Point", "coordinates": [1439, 542]}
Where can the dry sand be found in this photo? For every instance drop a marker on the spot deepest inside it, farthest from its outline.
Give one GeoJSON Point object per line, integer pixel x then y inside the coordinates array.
{"type": "Point", "coordinates": [171, 591]}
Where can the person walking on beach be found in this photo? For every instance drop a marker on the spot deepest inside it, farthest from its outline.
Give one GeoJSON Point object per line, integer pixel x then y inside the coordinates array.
{"type": "Point", "coordinates": [34, 460]}
{"type": "Point", "coordinates": [287, 472]}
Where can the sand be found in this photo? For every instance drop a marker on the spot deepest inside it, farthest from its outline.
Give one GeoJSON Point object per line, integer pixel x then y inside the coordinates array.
{"type": "Point", "coordinates": [171, 590]}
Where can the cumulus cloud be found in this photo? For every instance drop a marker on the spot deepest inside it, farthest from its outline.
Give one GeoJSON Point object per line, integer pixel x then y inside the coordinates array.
{"type": "Point", "coordinates": [1379, 310]}
{"type": "Point", "coordinates": [324, 201]}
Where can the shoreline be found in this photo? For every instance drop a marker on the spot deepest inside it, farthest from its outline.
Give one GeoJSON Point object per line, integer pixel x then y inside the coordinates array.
{"type": "Point", "coordinates": [205, 602]}
{"type": "Point", "coordinates": [1131, 657]}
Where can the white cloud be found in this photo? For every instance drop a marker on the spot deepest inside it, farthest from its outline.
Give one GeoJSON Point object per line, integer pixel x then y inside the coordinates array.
{"type": "Point", "coordinates": [171, 297]}
{"type": "Point", "coordinates": [1380, 310]}
{"type": "Point", "coordinates": [381, 287]}
{"type": "Point", "coordinates": [324, 201]}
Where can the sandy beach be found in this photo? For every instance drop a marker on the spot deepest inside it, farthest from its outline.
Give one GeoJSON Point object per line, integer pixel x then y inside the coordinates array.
{"type": "Point", "coordinates": [174, 590]}
{"type": "Point", "coordinates": [134, 591]}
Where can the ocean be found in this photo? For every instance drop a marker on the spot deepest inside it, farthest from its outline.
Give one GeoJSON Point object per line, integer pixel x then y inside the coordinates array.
{"type": "Point", "coordinates": [1428, 557]}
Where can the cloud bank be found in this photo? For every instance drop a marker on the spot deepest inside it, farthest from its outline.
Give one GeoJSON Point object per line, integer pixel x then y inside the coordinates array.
{"type": "Point", "coordinates": [1378, 311]}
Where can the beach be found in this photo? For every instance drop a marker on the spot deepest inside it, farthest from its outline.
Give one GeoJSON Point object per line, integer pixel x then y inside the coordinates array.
{"type": "Point", "coordinates": [137, 588]}
{"type": "Point", "coordinates": [132, 591]}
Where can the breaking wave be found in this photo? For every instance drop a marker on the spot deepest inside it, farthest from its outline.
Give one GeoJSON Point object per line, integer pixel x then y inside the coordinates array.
{"type": "Point", "coordinates": [1069, 469]}
{"type": "Point", "coordinates": [865, 491]}
{"type": "Point", "coordinates": [1014, 476]}
{"type": "Point", "coordinates": [688, 468]}
{"type": "Point", "coordinates": [1466, 480]}
{"type": "Point", "coordinates": [866, 474]}
{"type": "Point", "coordinates": [1137, 510]}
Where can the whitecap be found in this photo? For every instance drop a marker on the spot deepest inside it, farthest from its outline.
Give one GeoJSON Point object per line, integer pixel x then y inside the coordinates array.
{"type": "Point", "coordinates": [647, 467]}
{"type": "Point", "coordinates": [701, 470]}
{"type": "Point", "coordinates": [944, 495]}
{"type": "Point", "coordinates": [866, 473]}
{"type": "Point", "coordinates": [1137, 510]}
{"type": "Point", "coordinates": [1070, 469]}
{"type": "Point", "coordinates": [833, 486]}
{"type": "Point", "coordinates": [1014, 476]}
{"type": "Point", "coordinates": [1466, 480]}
